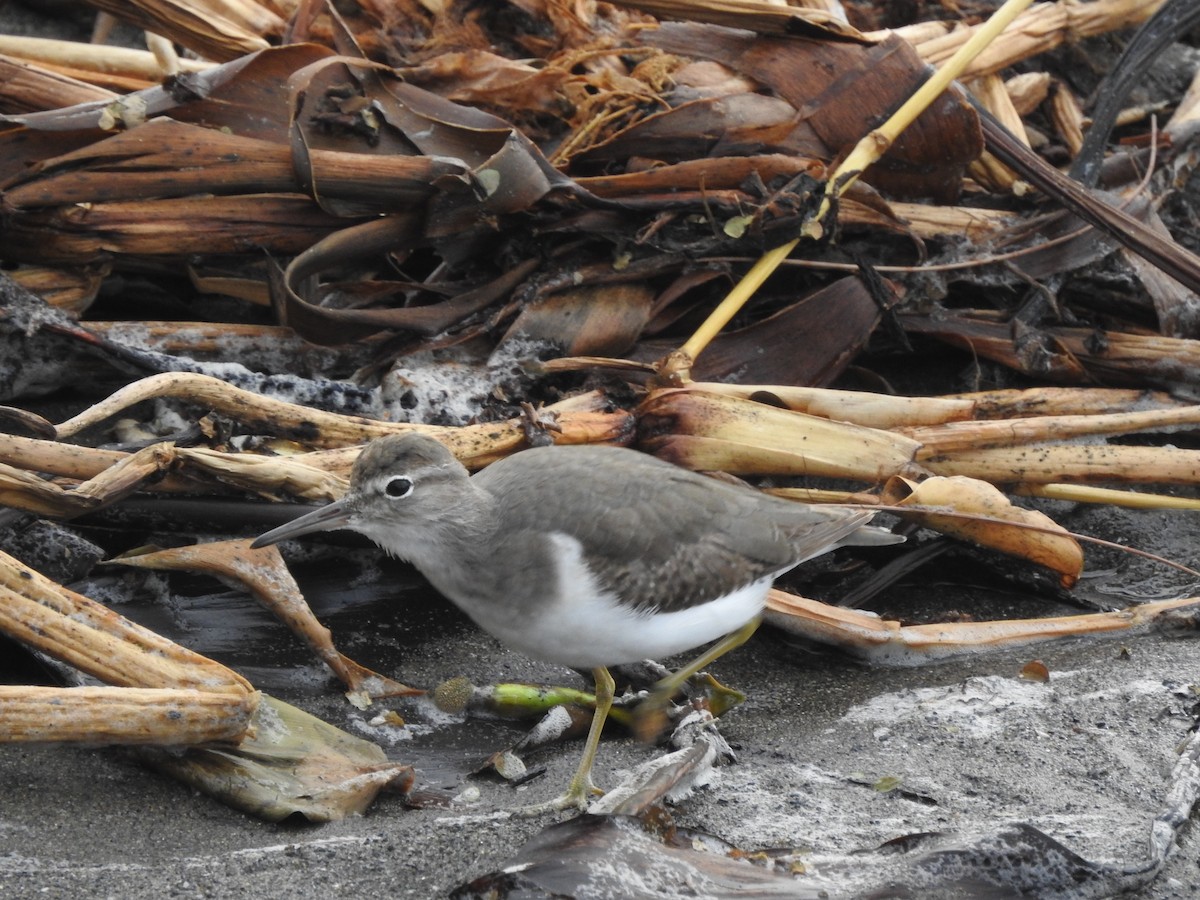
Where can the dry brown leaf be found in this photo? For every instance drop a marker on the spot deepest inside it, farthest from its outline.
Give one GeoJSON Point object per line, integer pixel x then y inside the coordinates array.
{"type": "Point", "coordinates": [886, 642]}
{"type": "Point", "coordinates": [1071, 355]}
{"type": "Point", "coordinates": [599, 320]}
{"type": "Point", "coordinates": [98, 641]}
{"type": "Point", "coordinates": [127, 716]}
{"type": "Point", "coordinates": [291, 763]}
{"type": "Point", "coordinates": [1025, 536]}
{"type": "Point", "coordinates": [832, 326]}
{"type": "Point", "coordinates": [218, 29]}
{"type": "Point", "coordinates": [708, 431]}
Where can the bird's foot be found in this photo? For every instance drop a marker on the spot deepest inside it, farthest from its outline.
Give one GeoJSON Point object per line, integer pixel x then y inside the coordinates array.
{"type": "Point", "coordinates": [578, 795]}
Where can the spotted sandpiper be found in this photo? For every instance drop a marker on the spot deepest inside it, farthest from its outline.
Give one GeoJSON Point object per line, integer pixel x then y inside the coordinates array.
{"type": "Point", "coordinates": [584, 556]}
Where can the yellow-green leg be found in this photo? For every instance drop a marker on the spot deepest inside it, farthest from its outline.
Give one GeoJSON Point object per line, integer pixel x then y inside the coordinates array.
{"type": "Point", "coordinates": [651, 712]}
{"type": "Point", "coordinates": [581, 788]}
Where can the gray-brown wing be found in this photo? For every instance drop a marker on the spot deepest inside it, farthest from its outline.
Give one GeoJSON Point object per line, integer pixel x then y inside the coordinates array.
{"type": "Point", "coordinates": [660, 536]}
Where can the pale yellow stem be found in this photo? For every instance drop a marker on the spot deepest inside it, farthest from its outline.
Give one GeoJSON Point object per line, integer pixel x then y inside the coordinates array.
{"type": "Point", "coordinates": [867, 151]}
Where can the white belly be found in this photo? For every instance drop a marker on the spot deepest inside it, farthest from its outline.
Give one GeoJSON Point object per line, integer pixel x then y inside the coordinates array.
{"type": "Point", "coordinates": [585, 628]}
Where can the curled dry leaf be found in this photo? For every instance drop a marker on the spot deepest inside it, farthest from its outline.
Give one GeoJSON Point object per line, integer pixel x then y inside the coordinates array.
{"type": "Point", "coordinates": [291, 763]}
{"type": "Point", "coordinates": [23, 490]}
{"type": "Point", "coordinates": [584, 418]}
{"type": "Point", "coordinates": [860, 407]}
{"type": "Point", "coordinates": [978, 512]}
{"type": "Point", "coordinates": [276, 475]}
{"type": "Point", "coordinates": [885, 642]}
{"type": "Point", "coordinates": [98, 641]}
{"type": "Point", "coordinates": [219, 31]}
{"type": "Point", "coordinates": [1035, 670]}
{"type": "Point", "coordinates": [11, 416]}
{"type": "Point", "coordinates": [127, 716]}
{"type": "Point", "coordinates": [726, 433]}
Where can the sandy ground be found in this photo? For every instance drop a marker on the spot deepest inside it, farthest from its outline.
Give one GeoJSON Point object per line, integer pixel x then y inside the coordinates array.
{"type": "Point", "coordinates": [1084, 757]}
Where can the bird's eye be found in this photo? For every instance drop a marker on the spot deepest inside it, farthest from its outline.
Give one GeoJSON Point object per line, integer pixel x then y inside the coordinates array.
{"type": "Point", "coordinates": [398, 486]}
